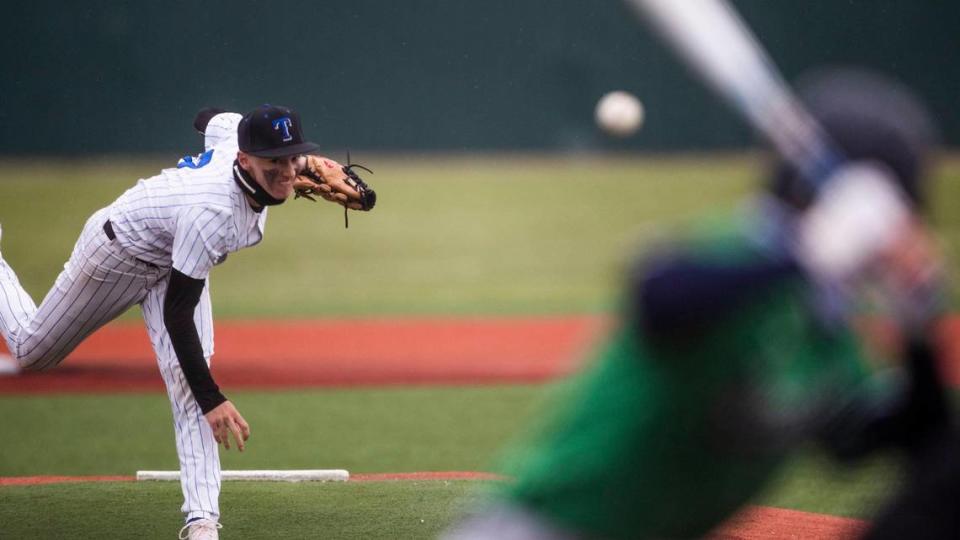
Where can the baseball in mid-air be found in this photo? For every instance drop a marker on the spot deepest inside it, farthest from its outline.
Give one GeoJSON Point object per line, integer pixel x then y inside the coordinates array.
{"type": "Point", "coordinates": [619, 113]}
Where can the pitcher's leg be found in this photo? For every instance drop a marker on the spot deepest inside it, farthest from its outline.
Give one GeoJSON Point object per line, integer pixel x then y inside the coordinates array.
{"type": "Point", "coordinates": [97, 284]}
{"type": "Point", "coordinates": [196, 446]}
{"type": "Point", "coordinates": [196, 449]}
{"type": "Point", "coordinates": [16, 306]}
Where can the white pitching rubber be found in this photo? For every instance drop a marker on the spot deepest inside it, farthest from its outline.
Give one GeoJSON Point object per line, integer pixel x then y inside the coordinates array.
{"type": "Point", "coordinates": [307, 475]}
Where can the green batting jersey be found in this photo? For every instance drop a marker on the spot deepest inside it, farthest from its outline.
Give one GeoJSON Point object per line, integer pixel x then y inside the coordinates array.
{"type": "Point", "coordinates": [666, 440]}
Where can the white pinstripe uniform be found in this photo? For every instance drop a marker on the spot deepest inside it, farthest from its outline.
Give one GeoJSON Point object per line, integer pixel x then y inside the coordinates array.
{"type": "Point", "coordinates": [186, 218]}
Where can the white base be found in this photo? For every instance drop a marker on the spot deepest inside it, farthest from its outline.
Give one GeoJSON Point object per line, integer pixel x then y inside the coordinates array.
{"type": "Point", "coordinates": [308, 475]}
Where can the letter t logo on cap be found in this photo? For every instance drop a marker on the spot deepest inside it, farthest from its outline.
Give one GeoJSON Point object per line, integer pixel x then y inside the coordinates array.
{"type": "Point", "coordinates": [283, 125]}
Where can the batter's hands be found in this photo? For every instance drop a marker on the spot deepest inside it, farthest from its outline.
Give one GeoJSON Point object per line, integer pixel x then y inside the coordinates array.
{"type": "Point", "coordinates": [913, 258]}
{"type": "Point", "coordinates": [225, 419]}
{"type": "Point", "coordinates": [859, 214]}
{"type": "Point", "coordinates": [912, 270]}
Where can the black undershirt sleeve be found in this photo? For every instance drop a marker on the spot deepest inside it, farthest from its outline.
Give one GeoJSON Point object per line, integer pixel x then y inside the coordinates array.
{"type": "Point", "coordinates": [179, 305]}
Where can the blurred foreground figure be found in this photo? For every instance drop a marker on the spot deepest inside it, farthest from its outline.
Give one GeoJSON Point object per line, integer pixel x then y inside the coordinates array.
{"type": "Point", "coordinates": [735, 346]}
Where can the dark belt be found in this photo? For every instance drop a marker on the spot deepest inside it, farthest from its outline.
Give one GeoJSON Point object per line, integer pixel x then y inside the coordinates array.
{"type": "Point", "coordinates": [108, 230]}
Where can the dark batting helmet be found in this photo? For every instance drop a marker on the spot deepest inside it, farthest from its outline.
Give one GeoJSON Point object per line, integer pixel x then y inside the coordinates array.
{"type": "Point", "coordinates": [869, 117]}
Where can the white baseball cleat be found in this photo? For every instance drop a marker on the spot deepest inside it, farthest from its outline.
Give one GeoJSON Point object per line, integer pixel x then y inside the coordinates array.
{"type": "Point", "coordinates": [8, 366]}
{"type": "Point", "coordinates": [201, 529]}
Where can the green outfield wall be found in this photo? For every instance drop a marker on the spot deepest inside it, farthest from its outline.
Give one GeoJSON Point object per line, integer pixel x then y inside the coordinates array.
{"type": "Point", "coordinates": [96, 77]}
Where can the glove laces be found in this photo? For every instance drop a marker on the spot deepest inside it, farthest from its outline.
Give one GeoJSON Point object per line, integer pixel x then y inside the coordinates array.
{"type": "Point", "coordinates": [360, 184]}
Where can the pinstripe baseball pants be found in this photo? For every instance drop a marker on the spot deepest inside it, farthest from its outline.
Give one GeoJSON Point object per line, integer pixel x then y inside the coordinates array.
{"type": "Point", "coordinates": [98, 284]}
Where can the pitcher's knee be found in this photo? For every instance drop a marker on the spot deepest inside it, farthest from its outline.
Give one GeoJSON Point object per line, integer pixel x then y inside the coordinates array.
{"type": "Point", "coordinates": [31, 363]}
{"type": "Point", "coordinates": [37, 359]}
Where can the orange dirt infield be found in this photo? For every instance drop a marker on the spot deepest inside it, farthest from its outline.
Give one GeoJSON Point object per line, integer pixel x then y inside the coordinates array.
{"type": "Point", "coordinates": [765, 523]}
{"type": "Point", "coordinates": [254, 354]}
{"type": "Point", "coordinates": [271, 354]}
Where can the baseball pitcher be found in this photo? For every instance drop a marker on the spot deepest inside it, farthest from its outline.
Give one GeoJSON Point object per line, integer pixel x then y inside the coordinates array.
{"type": "Point", "coordinates": [155, 247]}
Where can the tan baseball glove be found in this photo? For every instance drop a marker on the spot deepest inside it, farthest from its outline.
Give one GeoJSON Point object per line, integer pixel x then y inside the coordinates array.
{"type": "Point", "coordinates": [334, 182]}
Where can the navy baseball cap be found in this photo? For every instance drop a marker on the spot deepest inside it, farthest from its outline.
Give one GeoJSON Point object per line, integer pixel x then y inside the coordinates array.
{"type": "Point", "coordinates": [271, 131]}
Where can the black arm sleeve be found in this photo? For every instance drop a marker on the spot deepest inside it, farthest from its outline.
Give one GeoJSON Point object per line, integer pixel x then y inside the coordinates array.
{"type": "Point", "coordinates": [677, 297]}
{"type": "Point", "coordinates": [183, 295]}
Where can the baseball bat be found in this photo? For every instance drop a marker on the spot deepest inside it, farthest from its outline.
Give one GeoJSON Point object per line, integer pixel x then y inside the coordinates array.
{"type": "Point", "coordinates": [719, 47]}
{"type": "Point", "coordinates": [715, 42]}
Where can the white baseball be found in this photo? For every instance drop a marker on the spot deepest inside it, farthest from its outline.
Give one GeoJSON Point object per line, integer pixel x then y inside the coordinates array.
{"type": "Point", "coordinates": [619, 113]}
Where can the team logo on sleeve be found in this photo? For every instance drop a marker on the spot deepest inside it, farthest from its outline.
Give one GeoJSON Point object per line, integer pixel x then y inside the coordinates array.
{"type": "Point", "coordinates": [195, 162]}
{"type": "Point", "coordinates": [283, 125]}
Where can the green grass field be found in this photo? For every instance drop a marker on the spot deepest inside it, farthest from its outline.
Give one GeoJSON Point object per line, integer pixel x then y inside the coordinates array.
{"type": "Point", "coordinates": [363, 430]}
{"type": "Point", "coordinates": [494, 235]}
{"type": "Point", "coordinates": [489, 235]}
{"type": "Point", "coordinates": [125, 510]}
